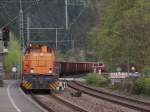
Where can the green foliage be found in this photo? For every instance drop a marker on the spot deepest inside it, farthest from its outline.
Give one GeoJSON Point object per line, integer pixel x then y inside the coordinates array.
{"type": "Point", "coordinates": [96, 79]}
{"type": "Point", "coordinates": [123, 33]}
{"type": "Point", "coordinates": [70, 56]}
{"type": "Point", "coordinates": [147, 70]}
{"type": "Point", "coordinates": [147, 86]}
{"type": "Point", "coordinates": [13, 57]}
{"type": "Point", "coordinates": [59, 56]}
{"type": "Point", "coordinates": [142, 86]}
{"type": "Point", "coordinates": [138, 86]}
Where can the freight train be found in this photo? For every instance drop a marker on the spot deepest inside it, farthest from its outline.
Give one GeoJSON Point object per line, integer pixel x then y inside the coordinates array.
{"type": "Point", "coordinates": [42, 72]}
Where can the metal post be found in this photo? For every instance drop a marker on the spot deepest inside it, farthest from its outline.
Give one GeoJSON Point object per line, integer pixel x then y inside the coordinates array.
{"type": "Point", "coordinates": [56, 38]}
{"type": "Point", "coordinates": [128, 55]}
{"type": "Point", "coordinates": [128, 63]}
{"type": "Point", "coordinates": [21, 35]}
{"type": "Point", "coordinates": [72, 45]}
{"type": "Point", "coordinates": [66, 10]}
{"type": "Point", "coordinates": [21, 25]}
{"type": "Point", "coordinates": [28, 30]}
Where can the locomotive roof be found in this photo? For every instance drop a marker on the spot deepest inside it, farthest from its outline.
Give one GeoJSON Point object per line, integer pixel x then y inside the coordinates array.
{"type": "Point", "coordinates": [35, 46]}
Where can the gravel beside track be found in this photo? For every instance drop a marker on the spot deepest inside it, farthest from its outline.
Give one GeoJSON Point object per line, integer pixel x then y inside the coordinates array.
{"type": "Point", "coordinates": [124, 101]}
{"type": "Point", "coordinates": [93, 104]}
{"type": "Point", "coordinates": [41, 103]}
{"type": "Point", "coordinates": [70, 104]}
{"type": "Point", "coordinates": [52, 103]}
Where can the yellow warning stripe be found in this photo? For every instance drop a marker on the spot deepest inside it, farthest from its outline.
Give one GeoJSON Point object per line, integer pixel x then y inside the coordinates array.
{"type": "Point", "coordinates": [24, 83]}
{"type": "Point", "coordinates": [54, 85]}
{"type": "Point", "coordinates": [27, 85]}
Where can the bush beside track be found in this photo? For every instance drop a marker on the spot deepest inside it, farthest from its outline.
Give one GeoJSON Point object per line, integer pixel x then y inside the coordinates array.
{"type": "Point", "coordinates": [132, 86]}
{"type": "Point", "coordinates": [97, 80]}
{"type": "Point", "coordinates": [142, 86]}
{"type": "Point", "coordinates": [13, 56]}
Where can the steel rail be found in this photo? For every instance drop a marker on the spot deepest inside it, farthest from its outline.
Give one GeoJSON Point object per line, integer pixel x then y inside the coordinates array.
{"type": "Point", "coordinates": [67, 103]}
{"type": "Point", "coordinates": [112, 94]}
{"type": "Point", "coordinates": [73, 106]}
{"type": "Point", "coordinates": [41, 103]}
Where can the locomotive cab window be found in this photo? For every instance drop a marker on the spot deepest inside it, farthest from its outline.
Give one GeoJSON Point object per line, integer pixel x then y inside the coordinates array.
{"type": "Point", "coordinates": [35, 50]}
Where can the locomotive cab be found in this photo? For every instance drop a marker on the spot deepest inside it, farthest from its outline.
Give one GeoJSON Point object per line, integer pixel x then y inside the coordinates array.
{"type": "Point", "coordinates": [39, 60]}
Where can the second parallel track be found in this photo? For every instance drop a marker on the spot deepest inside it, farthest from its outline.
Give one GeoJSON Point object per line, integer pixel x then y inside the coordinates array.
{"type": "Point", "coordinates": [118, 99]}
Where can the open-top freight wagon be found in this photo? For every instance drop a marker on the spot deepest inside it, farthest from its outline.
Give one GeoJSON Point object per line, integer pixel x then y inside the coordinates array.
{"type": "Point", "coordinates": [72, 68]}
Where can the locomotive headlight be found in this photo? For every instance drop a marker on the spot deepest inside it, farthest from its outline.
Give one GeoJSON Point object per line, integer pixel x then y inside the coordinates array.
{"type": "Point", "coordinates": [50, 71]}
{"type": "Point", "coordinates": [32, 71]}
{"type": "Point", "coordinates": [41, 54]}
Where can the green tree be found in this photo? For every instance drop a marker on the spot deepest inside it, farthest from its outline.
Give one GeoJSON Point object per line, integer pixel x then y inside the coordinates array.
{"type": "Point", "coordinates": [13, 56]}
{"type": "Point", "coordinates": [106, 37]}
{"type": "Point", "coordinates": [135, 29]}
{"type": "Point", "coordinates": [123, 33]}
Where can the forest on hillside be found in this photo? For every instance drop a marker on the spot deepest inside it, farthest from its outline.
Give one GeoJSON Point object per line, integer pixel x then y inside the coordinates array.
{"type": "Point", "coordinates": [51, 14]}
{"type": "Point", "coordinates": [123, 34]}
{"type": "Point", "coordinates": [113, 31]}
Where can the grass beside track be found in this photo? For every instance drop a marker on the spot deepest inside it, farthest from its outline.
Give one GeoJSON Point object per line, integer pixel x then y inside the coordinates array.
{"type": "Point", "coordinates": [96, 80]}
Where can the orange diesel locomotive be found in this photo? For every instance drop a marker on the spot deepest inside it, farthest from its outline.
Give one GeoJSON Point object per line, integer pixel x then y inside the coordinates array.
{"type": "Point", "coordinates": [39, 68]}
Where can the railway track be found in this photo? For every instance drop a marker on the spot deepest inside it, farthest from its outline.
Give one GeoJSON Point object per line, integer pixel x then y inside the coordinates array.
{"type": "Point", "coordinates": [118, 99]}
{"type": "Point", "coordinates": [41, 103]}
{"type": "Point", "coordinates": [44, 101]}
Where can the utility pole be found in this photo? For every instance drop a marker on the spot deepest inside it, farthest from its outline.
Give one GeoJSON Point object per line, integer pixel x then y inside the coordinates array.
{"type": "Point", "coordinates": [56, 38]}
{"type": "Point", "coordinates": [66, 10]}
{"type": "Point", "coordinates": [21, 26]}
{"type": "Point", "coordinates": [21, 34]}
{"type": "Point", "coordinates": [28, 30]}
{"type": "Point", "coordinates": [73, 46]}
